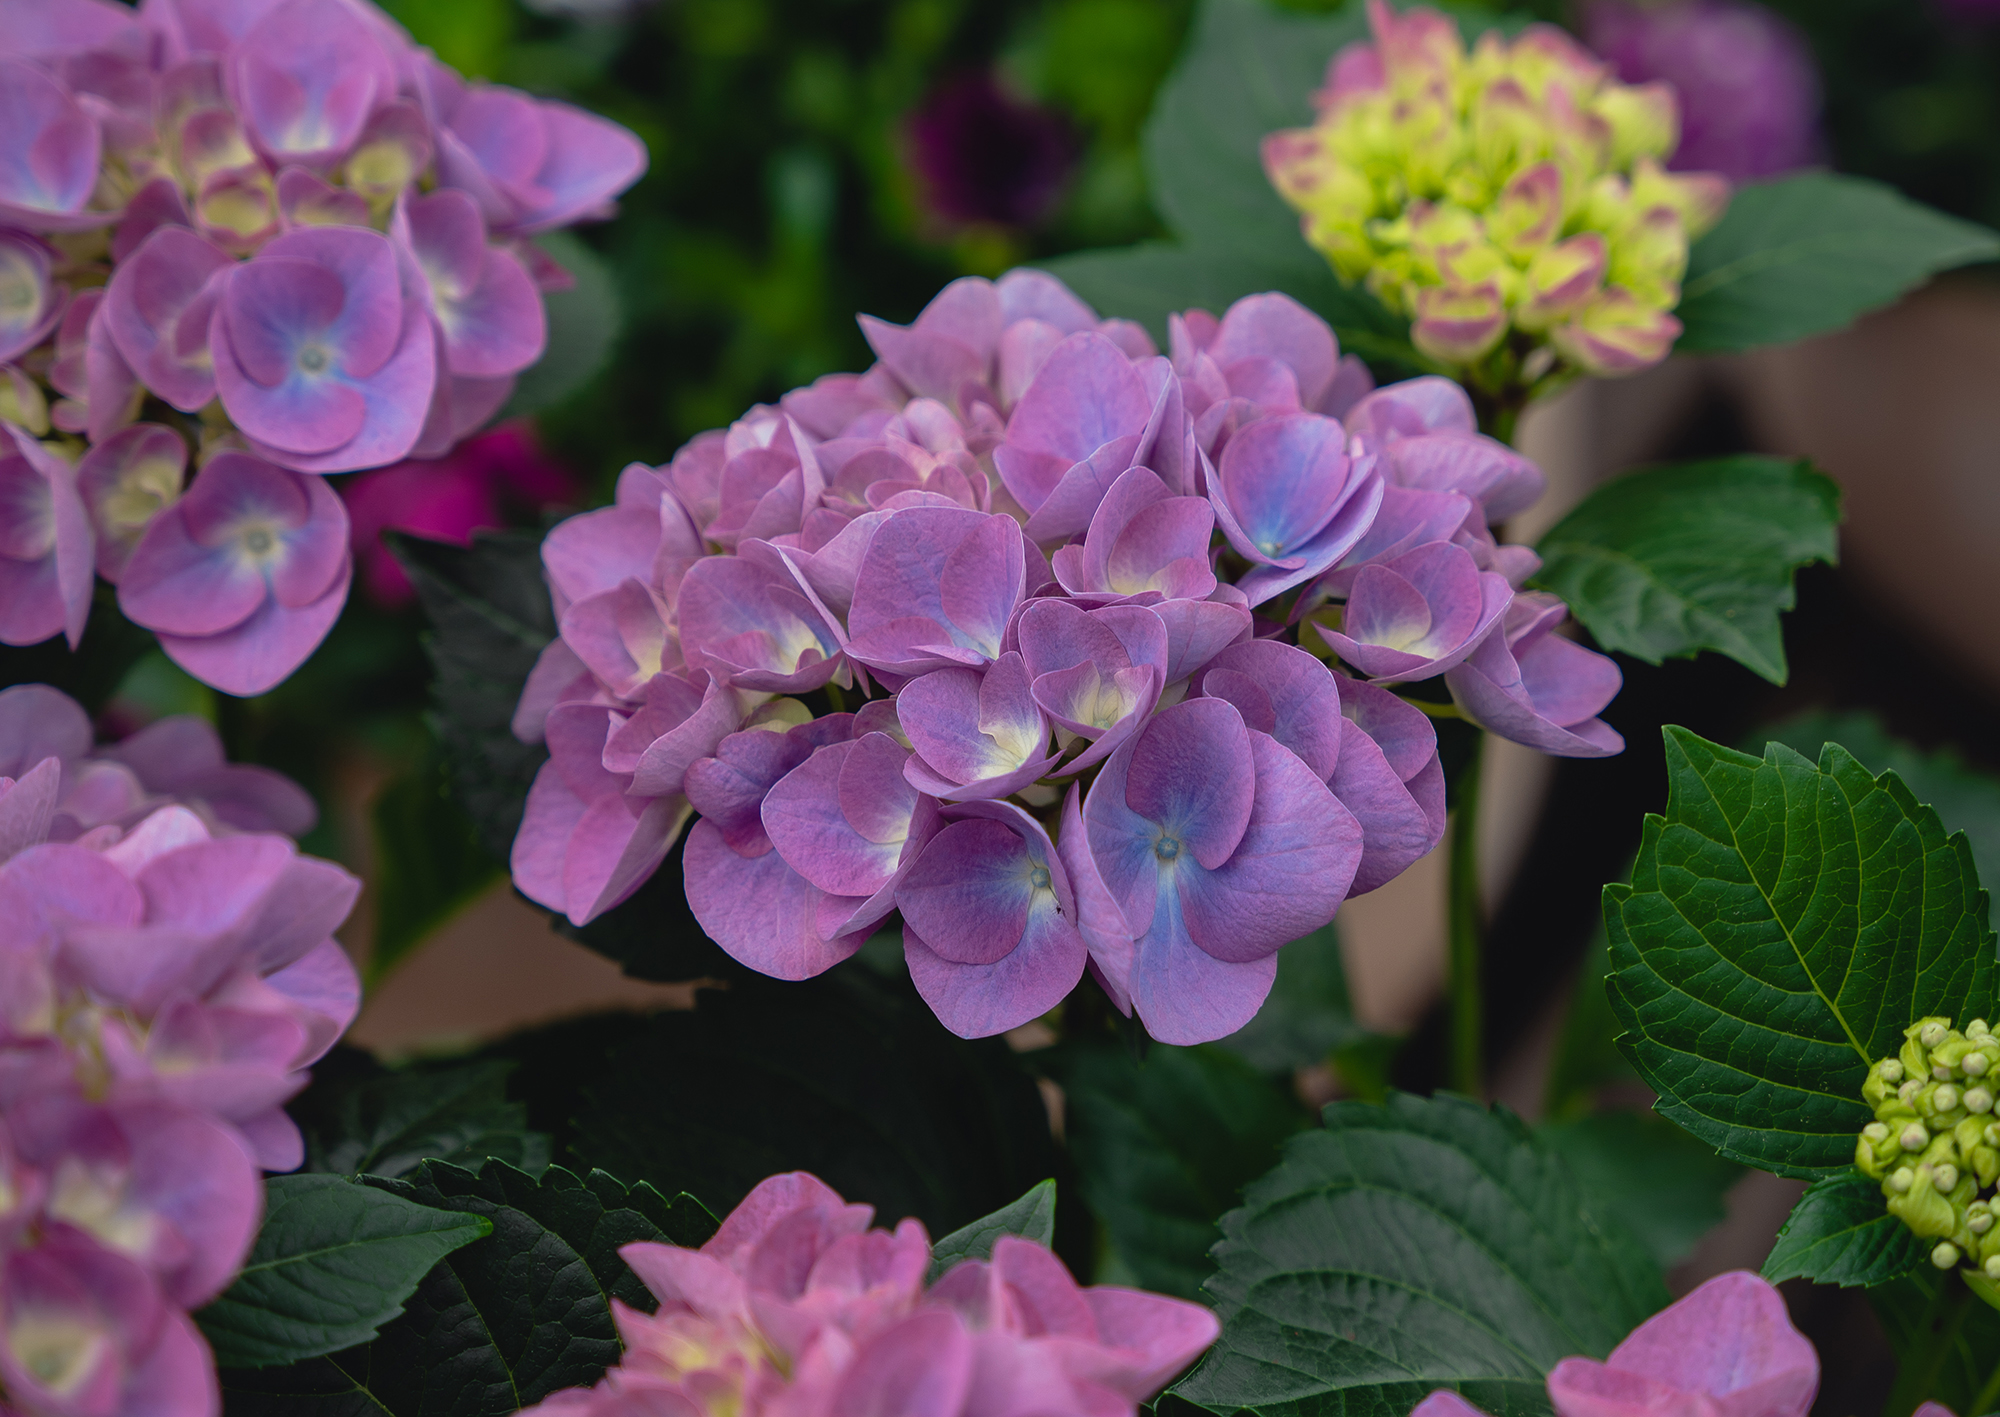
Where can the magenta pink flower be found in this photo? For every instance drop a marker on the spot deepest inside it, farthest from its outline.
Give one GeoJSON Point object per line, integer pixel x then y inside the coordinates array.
{"type": "Point", "coordinates": [244, 575]}
{"type": "Point", "coordinates": [1726, 1347]}
{"type": "Point", "coordinates": [1419, 614]}
{"type": "Point", "coordinates": [86, 1330]}
{"type": "Point", "coordinates": [937, 588]}
{"type": "Point", "coordinates": [209, 962]}
{"type": "Point", "coordinates": [1291, 500]}
{"type": "Point", "coordinates": [748, 897]}
{"type": "Point", "coordinates": [178, 759]}
{"type": "Point", "coordinates": [305, 77]}
{"type": "Point", "coordinates": [1332, 725]}
{"type": "Point", "coordinates": [1534, 686]}
{"type": "Point", "coordinates": [125, 481]}
{"type": "Point", "coordinates": [1267, 354]}
{"type": "Point", "coordinates": [45, 544]}
{"type": "Point", "coordinates": [319, 357]}
{"type": "Point", "coordinates": [1748, 87]}
{"type": "Point", "coordinates": [1144, 543]}
{"type": "Point", "coordinates": [531, 164]}
{"type": "Point", "coordinates": [447, 499]}
{"type": "Point", "coordinates": [484, 300]}
{"type": "Point", "coordinates": [48, 165]}
{"type": "Point", "coordinates": [1091, 413]}
{"type": "Point", "coordinates": [158, 308]}
{"type": "Point", "coordinates": [796, 1306]}
{"type": "Point", "coordinates": [34, 303]}
{"type": "Point", "coordinates": [587, 841]}
{"type": "Point", "coordinates": [989, 921]}
{"type": "Point", "coordinates": [1220, 846]}
{"type": "Point", "coordinates": [1004, 539]}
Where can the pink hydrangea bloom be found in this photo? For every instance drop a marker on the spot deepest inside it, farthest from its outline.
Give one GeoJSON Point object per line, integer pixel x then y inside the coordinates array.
{"type": "Point", "coordinates": [312, 224]}
{"type": "Point", "coordinates": [471, 488]}
{"type": "Point", "coordinates": [1727, 1347]}
{"type": "Point", "coordinates": [796, 1306]}
{"type": "Point", "coordinates": [1062, 582]}
{"type": "Point", "coordinates": [164, 985]}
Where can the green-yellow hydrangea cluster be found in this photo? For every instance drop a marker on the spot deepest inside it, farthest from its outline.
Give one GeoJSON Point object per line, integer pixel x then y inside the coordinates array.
{"type": "Point", "coordinates": [1935, 1142]}
{"type": "Point", "coordinates": [1510, 201]}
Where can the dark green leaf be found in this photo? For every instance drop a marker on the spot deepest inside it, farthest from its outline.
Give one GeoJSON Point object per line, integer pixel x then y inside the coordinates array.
{"type": "Point", "coordinates": [1674, 560]}
{"type": "Point", "coordinates": [430, 862]}
{"type": "Point", "coordinates": [1423, 1244]}
{"type": "Point", "coordinates": [592, 1217]}
{"type": "Point", "coordinates": [502, 1323]}
{"type": "Point", "coordinates": [386, 1125]}
{"type": "Point", "coordinates": [331, 1264]}
{"type": "Point", "coordinates": [583, 327]}
{"type": "Point", "coordinates": [490, 618]}
{"type": "Point", "coordinates": [1148, 282]}
{"type": "Point", "coordinates": [1309, 1015]}
{"type": "Point", "coordinates": [847, 1076]}
{"type": "Point", "coordinates": [1661, 1184]}
{"type": "Point", "coordinates": [1032, 1217]}
{"type": "Point", "coordinates": [1249, 69]}
{"type": "Point", "coordinates": [1806, 254]}
{"type": "Point", "coordinates": [1841, 1233]}
{"type": "Point", "coordinates": [1966, 799]}
{"type": "Point", "coordinates": [1165, 1146]}
{"type": "Point", "coordinates": [1785, 923]}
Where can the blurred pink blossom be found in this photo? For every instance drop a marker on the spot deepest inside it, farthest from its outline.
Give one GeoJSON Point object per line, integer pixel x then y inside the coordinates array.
{"type": "Point", "coordinates": [470, 489]}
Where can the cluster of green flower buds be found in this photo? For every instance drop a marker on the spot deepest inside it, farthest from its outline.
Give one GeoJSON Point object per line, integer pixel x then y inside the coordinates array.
{"type": "Point", "coordinates": [1512, 200]}
{"type": "Point", "coordinates": [1935, 1141]}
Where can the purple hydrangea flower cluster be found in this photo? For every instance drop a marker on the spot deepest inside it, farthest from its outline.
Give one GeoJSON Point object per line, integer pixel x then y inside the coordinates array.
{"type": "Point", "coordinates": [165, 979]}
{"type": "Point", "coordinates": [797, 1307]}
{"type": "Point", "coordinates": [282, 230]}
{"type": "Point", "coordinates": [1748, 84]}
{"type": "Point", "coordinates": [1091, 599]}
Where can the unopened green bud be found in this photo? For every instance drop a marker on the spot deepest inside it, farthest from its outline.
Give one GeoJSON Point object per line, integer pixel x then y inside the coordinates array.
{"type": "Point", "coordinates": [1889, 1070]}
{"type": "Point", "coordinates": [1978, 1221]}
{"type": "Point", "coordinates": [1932, 1031]}
{"type": "Point", "coordinates": [1945, 1177]}
{"type": "Point", "coordinates": [1901, 1179]}
{"type": "Point", "coordinates": [1945, 1099]}
{"type": "Point", "coordinates": [1993, 1267]}
{"type": "Point", "coordinates": [1978, 1028]}
{"type": "Point", "coordinates": [1875, 1131]}
{"type": "Point", "coordinates": [1907, 1093]}
{"type": "Point", "coordinates": [1945, 1255]}
{"type": "Point", "coordinates": [1978, 1099]}
{"type": "Point", "coordinates": [1993, 1133]}
{"type": "Point", "coordinates": [1972, 1064]}
{"type": "Point", "coordinates": [1925, 1211]}
{"type": "Point", "coordinates": [1915, 1137]}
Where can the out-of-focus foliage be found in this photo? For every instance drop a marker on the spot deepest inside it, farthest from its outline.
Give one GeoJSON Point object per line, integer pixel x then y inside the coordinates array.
{"type": "Point", "coordinates": [781, 196]}
{"type": "Point", "coordinates": [1911, 96]}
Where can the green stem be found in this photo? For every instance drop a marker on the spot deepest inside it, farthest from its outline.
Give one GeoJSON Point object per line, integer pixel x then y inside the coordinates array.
{"type": "Point", "coordinates": [1988, 1396]}
{"type": "Point", "coordinates": [1466, 929]}
{"type": "Point", "coordinates": [1944, 1316]}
